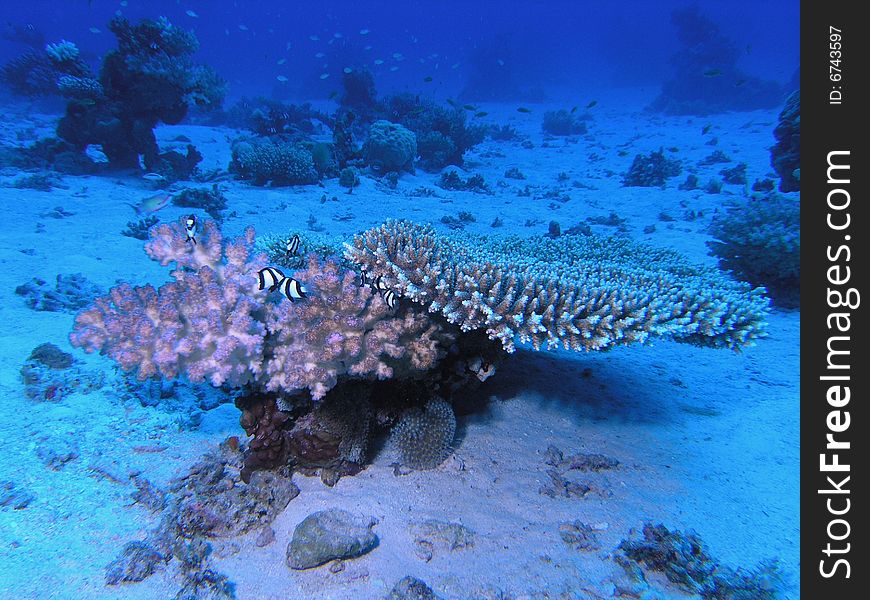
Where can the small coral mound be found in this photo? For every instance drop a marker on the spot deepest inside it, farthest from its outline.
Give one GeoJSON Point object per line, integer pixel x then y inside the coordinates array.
{"type": "Point", "coordinates": [580, 292]}
{"type": "Point", "coordinates": [390, 147]}
{"type": "Point", "coordinates": [785, 156]}
{"type": "Point", "coordinates": [759, 239]}
{"type": "Point", "coordinates": [651, 170]}
{"type": "Point", "coordinates": [685, 561]}
{"type": "Point", "coordinates": [273, 161]}
{"type": "Point", "coordinates": [562, 122]}
{"type": "Point", "coordinates": [423, 435]}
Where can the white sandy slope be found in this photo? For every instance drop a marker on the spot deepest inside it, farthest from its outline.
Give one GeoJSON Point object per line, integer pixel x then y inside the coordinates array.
{"type": "Point", "coordinates": [706, 439]}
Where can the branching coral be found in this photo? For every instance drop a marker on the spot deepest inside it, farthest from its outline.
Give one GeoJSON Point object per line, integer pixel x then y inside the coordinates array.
{"type": "Point", "coordinates": [343, 328]}
{"type": "Point", "coordinates": [580, 292]}
{"type": "Point", "coordinates": [760, 240]}
{"type": "Point", "coordinates": [207, 323]}
{"type": "Point", "coordinates": [212, 323]}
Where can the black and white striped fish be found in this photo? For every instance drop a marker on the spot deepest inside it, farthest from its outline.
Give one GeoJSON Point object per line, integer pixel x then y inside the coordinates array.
{"type": "Point", "coordinates": [390, 298]}
{"type": "Point", "coordinates": [293, 246]}
{"type": "Point", "coordinates": [269, 278]}
{"type": "Point", "coordinates": [364, 279]}
{"type": "Point", "coordinates": [190, 228]}
{"type": "Point", "coordinates": [292, 289]}
{"type": "Point", "coordinates": [379, 286]}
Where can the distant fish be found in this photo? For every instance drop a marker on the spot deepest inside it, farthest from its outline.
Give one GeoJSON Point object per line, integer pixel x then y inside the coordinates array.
{"type": "Point", "coordinates": [454, 66]}
{"type": "Point", "coordinates": [427, 79]}
{"type": "Point", "coordinates": [500, 62]}
{"type": "Point", "coordinates": [367, 48]}
{"type": "Point", "coordinates": [282, 79]}
{"type": "Point", "coordinates": [293, 246]}
{"type": "Point", "coordinates": [333, 94]}
{"type": "Point", "coordinates": [348, 70]}
{"type": "Point", "coordinates": [573, 109]}
{"type": "Point", "coordinates": [124, 3]}
{"type": "Point", "coordinates": [673, 149]}
{"type": "Point", "coordinates": [712, 73]}
{"type": "Point", "coordinates": [739, 82]}
{"type": "Point", "coordinates": [591, 104]}
{"type": "Point", "coordinates": [243, 27]}
{"type": "Point", "coordinates": [398, 55]}
{"type": "Point", "coordinates": [338, 35]}
{"type": "Point", "coordinates": [281, 61]}
{"type": "Point", "coordinates": [153, 177]}
{"type": "Point", "coordinates": [451, 102]}
{"type": "Point", "coordinates": [190, 229]}
{"type": "Point", "coordinates": [152, 204]}
{"type": "Point", "coordinates": [94, 30]}
{"type": "Point", "coordinates": [523, 109]}
{"type": "Point", "coordinates": [269, 278]}
{"type": "Point", "coordinates": [481, 113]}
{"type": "Point", "coordinates": [314, 38]}
{"type": "Point", "coordinates": [470, 107]}
{"type": "Point", "coordinates": [364, 32]}
{"type": "Point", "coordinates": [191, 14]}
{"type": "Point", "coordinates": [319, 55]}
{"type": "Point", "coordinates": [292, 289]}
{"type": "Point", "coordinates": [394, 68]}
{"type": "Point", "coordinates": [324, 75]}
{"type": "Point", "coordinates": [390, 298]}
{"type": "Point", "coordinates": [378, 61]}
{"type": "Point", "coordinates": [706, 129]}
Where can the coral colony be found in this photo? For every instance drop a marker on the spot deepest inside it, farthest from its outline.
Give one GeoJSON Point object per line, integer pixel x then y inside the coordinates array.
{"type": "Point", "coordinates": [451, 327]}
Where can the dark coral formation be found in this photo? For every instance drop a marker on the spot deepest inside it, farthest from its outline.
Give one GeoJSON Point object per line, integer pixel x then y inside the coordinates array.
{"type": "Point", "coordinates": [443, 135]}
{"type": "Point", "coordinates": [707, 78]}
{"type": "Point", "coordinates": [211, 200]}
{"type": "Point", "coordinates": [785, 155]}
{"type": "Point", "coordinates": [759, 240]}
{"type": "Point", "coordinates": [274, 161]}
{"type": "Point", "coordinates": [651, 170]}
{"type": "Point", "coordinates": [451, 180]}
{"type": "Point", "coordinates": [70, 293]}
{"type": "Point", "coordinates": [57, 68]}
{"type": "Point", "coordinates": [150, 78]}
{"type": "Point", "coordinates": [562, 122]}
{"type": "Point", "coordinates": [684, 559]}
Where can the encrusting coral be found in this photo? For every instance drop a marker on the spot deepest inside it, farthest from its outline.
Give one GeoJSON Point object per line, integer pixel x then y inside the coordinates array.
{"type": "Point", "coordinates": [580, 292]}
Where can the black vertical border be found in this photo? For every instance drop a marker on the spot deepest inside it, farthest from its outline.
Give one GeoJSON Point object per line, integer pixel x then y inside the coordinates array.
{"type": "Point", "coordinates": [827, 127]}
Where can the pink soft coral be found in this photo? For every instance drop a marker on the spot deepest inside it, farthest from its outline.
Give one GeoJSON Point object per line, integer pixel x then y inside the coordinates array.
{"type": "Point", "coordinates": [208, 323]}
{"type": "Point", "coordinates": [212, 323]}
{"type": "Point", "coordinates": [343, 329]}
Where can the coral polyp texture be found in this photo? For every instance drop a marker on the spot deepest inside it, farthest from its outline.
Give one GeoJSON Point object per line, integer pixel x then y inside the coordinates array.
{"type": "Point", "coordinates": [207, 324]}
{"type": "Point", "coordinates": [579, 292]}
{"type": "Point", "coordinates": [212, 323]}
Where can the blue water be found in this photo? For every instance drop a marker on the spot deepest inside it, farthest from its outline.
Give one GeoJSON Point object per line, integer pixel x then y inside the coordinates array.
{"type": "Point", "coordinates": [662, 130]}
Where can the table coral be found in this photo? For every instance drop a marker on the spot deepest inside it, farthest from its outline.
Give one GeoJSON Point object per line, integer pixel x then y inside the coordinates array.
{"type": "Point", "coordinates": [580, 292]}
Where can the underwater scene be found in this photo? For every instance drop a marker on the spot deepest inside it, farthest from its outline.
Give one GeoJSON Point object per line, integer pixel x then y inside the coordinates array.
{"type": "Point", "coordinates": [399, 300]}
